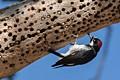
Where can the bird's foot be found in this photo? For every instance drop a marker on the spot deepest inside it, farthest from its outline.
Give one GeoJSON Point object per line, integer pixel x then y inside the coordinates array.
{"type": "Point", "coordinates": [76, 36]}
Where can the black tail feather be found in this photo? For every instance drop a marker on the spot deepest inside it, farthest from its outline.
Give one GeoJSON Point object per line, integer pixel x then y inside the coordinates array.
{"type": "Point", "coordinates": [55, 53]}
{"type": "Point", "coordinates": [54, 65]}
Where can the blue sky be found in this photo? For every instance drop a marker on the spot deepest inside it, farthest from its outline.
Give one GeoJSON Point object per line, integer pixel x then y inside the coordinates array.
{"type": "Point", "coordinates": [42, 69]}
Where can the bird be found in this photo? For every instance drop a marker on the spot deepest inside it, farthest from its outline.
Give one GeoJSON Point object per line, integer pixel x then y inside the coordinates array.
{"type": "Point", "coordinates": [78, 54]}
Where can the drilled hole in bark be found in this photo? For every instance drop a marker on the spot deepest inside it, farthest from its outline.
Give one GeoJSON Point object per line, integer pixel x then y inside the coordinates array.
{"type": "Point", "coordinates": [2, 51]}
{"type": "Point", "coordinates": [20, 29]}
{"type": "Point", "coordinates": [31, 24]}
{"type": "Point", "coordinates": [12, 15]}
{"type": "Point", "coordinates": [47, 23]}
{"type": "Point", "coordinates": [31, 29]}
{"type": "Point", "coordinates": [78, 22]}
{"type": "Point", "coordinates": [6, 48]}
{"type": "Point", "coordinates": [21, 62]}
{"type": "Point", "coordinates": [11, 44]}
{"type": "Point", "coordinates": [56, 31]}
{"type": "Point", "coordinates": [61, 27]}
{"type": "Point", "coordinates": [23, 38]}
{"type": "Point", "coordinates": [17, 20]}
{"type": "Point", "coordinates": [38, 10]}
{"type": "Point", "coordinates": [43, 8]}
{"type": "Point", "coordinates": [37, 41]}
{"type": "Point", "coordinates": [5, 30]}
{"type": "Point", "coordinates": [0, 32]}
{"type": "Point", "coordinates": [93, 8]}
{"type": "Point", "coordinates": [50, 8]}
{"type": "Point", "coordinates": [15, 25]}
{"type": "Point", "coordinates": [49, 27]}
{"type": "Point", "coordinates": [82, 6]}
{"type": "Point", "coordinates": [67, 12]}
{"type": "Point", "coordinates": [22, 54]}
{"type": "Point", "coordinates": [33, 44]}
{"type": "Point", "coordinates": [59, 1]}
{"type": "Point", "coordinates": [27, 52]}
{"type": "Point", "coordinates": [54, 17]}
{"type": "Point", "coordinates": [9, 34]}
{"type": "Point", "coordinates": [57, 37]}
{"type": "Point", "coordinates": [73, 9]}
{"type": "Point", "coordinates": [43, 2]}
{"type": "Point", "coordinates": [14, 37]}
{"type": "Point", "coordinates": [63, 9]}
{"type": "Point", "coordinates": [11, 65]}
{"type": "Point", "coordinates": [26, 18]}
{"type": "Point", "coordinates": [41, 49]}
{"type": "Point", "coordinates": [72, 3]}
{"type": "Point", "coordinates": [5, 39]}
{"type": "Point", "coordinates": [81, 0]}
{"type": "Point", "coordinates": [73, 25]}
{"type": "Point", "coordinates": [78, 15]}
{"type": "Point", "coordinates": [88, 4]}
{"type": "Point", "coordinates": [29, 35]}
{"type": "Point", "coordinates": [83, 27]}
{"type": "Point", "coordinates": [11, 50]}
{"type": "Point", "coordinates": [25, 29]}
{"type": "Point", "coordinates": [78, 29]}
{"type": "Point", "coordinates": [22, 12]}
{"type": "Point", "coordinates": [95, 3]}
{"type": "Point", "coordinates": [34, 51]}
{"type": "Point", "coordinates": [42, 30]}
{"type": "Point", "coordinates": [0, 46]}
{"type": "Point", "coordinates": [5, 61]}
{"type": "Point", "coordinates": [32, 8]}
{"type": "Point", "coordinates": [99, 4]}
{"type": "Point", "coordinates": [6, 67]}
{"type": "Point", "coordinates": [5, 24]}
{"type": "Point", "coordinates": [20, 59]}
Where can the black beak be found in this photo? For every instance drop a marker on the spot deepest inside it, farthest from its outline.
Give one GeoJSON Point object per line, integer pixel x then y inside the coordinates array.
{"type": "Point", "coordinates": [90, 36]}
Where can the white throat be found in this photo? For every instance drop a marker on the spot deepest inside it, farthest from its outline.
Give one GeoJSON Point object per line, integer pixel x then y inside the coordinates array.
{"type": "Point", "coordinates": [91, 43]}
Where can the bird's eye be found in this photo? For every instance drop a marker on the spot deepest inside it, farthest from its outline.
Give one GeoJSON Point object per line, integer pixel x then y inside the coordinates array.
{"type": "Point", "coordinates": [94, 41]}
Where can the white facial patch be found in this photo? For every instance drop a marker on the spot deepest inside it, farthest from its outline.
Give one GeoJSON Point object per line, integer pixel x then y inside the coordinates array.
{"type": "Point", "coordinates": [92, 43]}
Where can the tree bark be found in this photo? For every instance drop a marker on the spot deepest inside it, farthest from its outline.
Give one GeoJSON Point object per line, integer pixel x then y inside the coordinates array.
{"type": "Point", "coordinates": [30, 28]}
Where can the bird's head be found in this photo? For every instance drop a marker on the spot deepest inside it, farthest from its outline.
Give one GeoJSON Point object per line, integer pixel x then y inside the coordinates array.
{"type": "Point", "coordinates": [95, 42]}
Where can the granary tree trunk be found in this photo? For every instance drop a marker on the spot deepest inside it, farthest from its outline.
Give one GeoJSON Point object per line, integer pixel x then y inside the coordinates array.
{"type": "Point", "coordinates": [30, 28]}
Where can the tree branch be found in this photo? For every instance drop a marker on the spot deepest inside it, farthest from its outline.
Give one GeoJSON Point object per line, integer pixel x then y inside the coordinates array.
{"type": "Point", "coordinates": [30, 28]}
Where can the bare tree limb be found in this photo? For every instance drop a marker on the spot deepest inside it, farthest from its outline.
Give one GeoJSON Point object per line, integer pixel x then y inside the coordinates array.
{"type": "Point", "coordinates": [30, 28]}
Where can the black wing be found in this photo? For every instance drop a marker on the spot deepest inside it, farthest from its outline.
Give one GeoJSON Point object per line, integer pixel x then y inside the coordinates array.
{"type": "Point", "coordinates": [76, 58]}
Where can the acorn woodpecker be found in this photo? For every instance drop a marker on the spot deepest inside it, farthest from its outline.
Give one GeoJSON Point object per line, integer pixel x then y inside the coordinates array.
{"type": "Point", "coordinates": [78, 54]}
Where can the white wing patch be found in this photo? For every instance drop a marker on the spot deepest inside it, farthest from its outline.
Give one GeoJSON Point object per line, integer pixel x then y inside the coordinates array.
{"type": "Point", "coordinates": [71, 64]}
